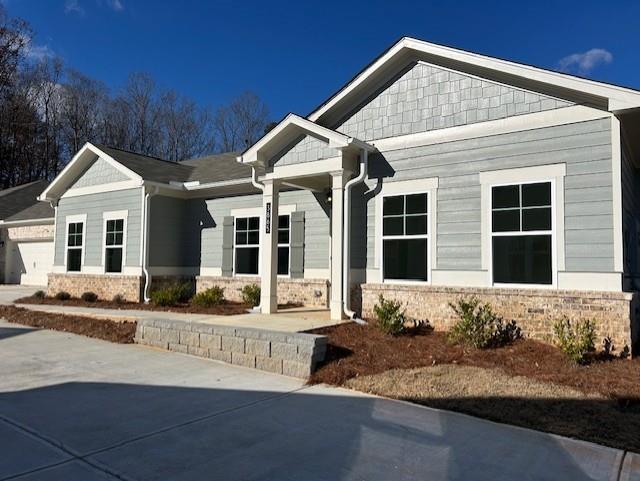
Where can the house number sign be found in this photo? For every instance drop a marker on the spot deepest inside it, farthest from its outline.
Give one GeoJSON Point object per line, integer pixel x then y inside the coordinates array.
{"type": "Point", "coordinates": [267, 223]}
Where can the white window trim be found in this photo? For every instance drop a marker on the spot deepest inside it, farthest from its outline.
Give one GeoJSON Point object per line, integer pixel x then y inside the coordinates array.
{"type": "Point", "coordinates": [115, 215]}
{"type": "Point", "coordinates": [258, 212]}
{"type": "Point", "coordinates": [236, 247]}
{"type": "Point", "coordinates": [427, 186]}
{"type": "Point", "coordinates": [288, 245]}
{"type": "Point", "coordinates": [75, 219]}
{"type": "Point", "coordinates": [554, 174]}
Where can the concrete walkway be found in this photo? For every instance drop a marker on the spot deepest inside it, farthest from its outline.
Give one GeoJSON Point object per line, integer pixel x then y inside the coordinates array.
{"type": "Point", "coordinates": [289, 320]}
{"type": "Point", "coordinates": [79, 409]}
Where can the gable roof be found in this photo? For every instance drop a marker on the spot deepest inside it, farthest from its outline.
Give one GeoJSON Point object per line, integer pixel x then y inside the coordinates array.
{"type": "Point", "coordinates": [409, 50]}
{"type": "Point", "coordinates": [21, 202]}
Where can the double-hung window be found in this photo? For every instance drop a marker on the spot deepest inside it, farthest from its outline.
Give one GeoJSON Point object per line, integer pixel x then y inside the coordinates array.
{"type": "Point", "coordinates": [405, 237]}
{"type": "Point", "coordinates": [75, 243]}
{"type": "Point", "coordinates": [284, 235]}
{"type": "Point", "coordinates": [114, 245]}
{"type": "Point", "coordinates": [522, 233]}
{"type": "Point", "coordinates": [247, 245]}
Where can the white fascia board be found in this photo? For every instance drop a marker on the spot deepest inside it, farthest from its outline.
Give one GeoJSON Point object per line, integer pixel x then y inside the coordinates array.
{"type": "Point", "coordinates": [18, 223]}
{"type": "Point", "coordinates": [75, 166]}
{"type": "Point", "coordinates": [620, 98]}
{"type": "Point", "coordinates": [335, 139]}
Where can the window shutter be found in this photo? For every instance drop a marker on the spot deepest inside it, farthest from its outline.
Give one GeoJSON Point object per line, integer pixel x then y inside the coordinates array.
{"type": "Point", "coordinates": [227, 246]}
{"type": "Point", "coordinates": [297, 245]}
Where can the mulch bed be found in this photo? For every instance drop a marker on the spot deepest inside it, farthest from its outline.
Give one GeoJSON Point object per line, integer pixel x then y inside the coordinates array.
{"type": "Point", "coordinates": [105, 329]}
{"type": "Point", "coordinates": [359, 350]}
{"type": "Point", "coordinates": [608, 412]}
{"type": "Point", "coordinates": [227, 308]}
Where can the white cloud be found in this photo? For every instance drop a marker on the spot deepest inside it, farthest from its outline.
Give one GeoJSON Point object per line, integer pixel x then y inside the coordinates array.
{"type": "Point", "coordinates": [38, 52]}
{"type": "Point", "coordinates": [584, 63]}
{"type": "Point", "coordinates": [73, 6]}
{"type": "Point", "coordinates": [115, 5]}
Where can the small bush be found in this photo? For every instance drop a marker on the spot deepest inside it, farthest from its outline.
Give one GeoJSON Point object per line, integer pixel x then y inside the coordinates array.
{"type": "Point", "coordinates": [89, 297]}
{"type": "Point", "coordinates": [39, 294]}
{"type": "Point", "coordinates": [63, 296]}
{"type": "Point", "coordinates": [478, 326]}
{"type": "Point", "coordinates": [209, 298]}
{"type": "Point", "coordinates": [576, 339]}
{"type": "Point", "coordinates": [118, 299]}
{"type": "Point", "coordinates": [172, 295]}
{"type": "Point", "coordinates": [391, 316]}
{"type": "Point", "coordinates": [251, 294]}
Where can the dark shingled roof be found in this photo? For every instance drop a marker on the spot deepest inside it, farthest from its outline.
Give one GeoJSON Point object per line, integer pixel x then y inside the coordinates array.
{"type": "Point", "coordinates": [212, 168]}
{"type": "Point", "coordinates": [21, 203]}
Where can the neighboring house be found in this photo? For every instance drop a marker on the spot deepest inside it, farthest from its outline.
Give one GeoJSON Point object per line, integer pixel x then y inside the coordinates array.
{"type": "Point", "coordinates": [26, 235]}
{"type": "Point", "coordinates": [458, 174]}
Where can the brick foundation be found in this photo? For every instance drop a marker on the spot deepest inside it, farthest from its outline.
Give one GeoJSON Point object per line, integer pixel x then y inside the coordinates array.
{"type": "Point", "coordinates": [106, 286]}
{"type": "Point", "coordinates": [535, 310]}
{"type": "Point", "coordinates": [310, 292]}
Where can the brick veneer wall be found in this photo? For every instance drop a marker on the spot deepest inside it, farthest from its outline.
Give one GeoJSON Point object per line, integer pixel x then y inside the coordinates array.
{"type": "Point", "coordinates": [288, 353]}
{"type": "Point", "coordinates": [535, 310]}
{"type": "Point", "coordinates": [106, 286]}
{"type": "Point", "coordinates": [310, 292]}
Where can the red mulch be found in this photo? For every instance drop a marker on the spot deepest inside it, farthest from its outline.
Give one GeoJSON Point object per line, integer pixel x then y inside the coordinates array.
{"type": "Point", "coordinates": [120, 332]}
{"type": "Point", "coordinates": [227, 308]}
{"type": "Point", "coordinates": [357, 350]}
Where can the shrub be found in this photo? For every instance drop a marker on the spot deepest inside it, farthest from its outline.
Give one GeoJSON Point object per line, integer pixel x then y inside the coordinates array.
{"type": "Point", "coordinates": [89, 297]}
{"type": "Point", "coordinates": [478, 326]}
{"type": "Point", "coordinates": [172, 295]}
{"type": "Point", "coordinates": [576, 339]}
{"type": "Point", "coordinates": [251, 294]}
{"type": "Point", "coordinates": [391, 316]}
{"type": "Point", "coordinates": [63, 296]}
{"type": "Point", "coordinates": [39, 295]}
{"type": "Point", "coordinates": [118, 299]}
{"type": "Point", "coordinates": [211, 297]}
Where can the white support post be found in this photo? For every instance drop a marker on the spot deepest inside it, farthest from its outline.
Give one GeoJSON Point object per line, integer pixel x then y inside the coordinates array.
{"type": "Point", "coordinates": [269, 248]}
{"type": "Point", "coordinates": [338, 180]}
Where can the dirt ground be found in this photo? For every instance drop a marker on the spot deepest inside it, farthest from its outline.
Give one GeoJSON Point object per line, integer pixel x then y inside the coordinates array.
{"type": "Point", "coordinates": [113, 331]}
{"type": "Point", "coordinates": [227, 308]}
{"type": "Point", "coordinates": [529, 383]}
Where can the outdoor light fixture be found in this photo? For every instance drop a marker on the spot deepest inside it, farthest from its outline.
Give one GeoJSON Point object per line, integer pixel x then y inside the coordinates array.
{"type": "Point", "coordinates": [328, 194]}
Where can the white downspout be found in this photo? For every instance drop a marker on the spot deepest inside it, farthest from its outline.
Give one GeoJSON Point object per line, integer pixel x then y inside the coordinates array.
{"type": "Point", "coordinates": [346, 236]}
{"type": "Point", "coordinates": [260, 187]}
{"type": "Point", "coordinates": [145, 245]}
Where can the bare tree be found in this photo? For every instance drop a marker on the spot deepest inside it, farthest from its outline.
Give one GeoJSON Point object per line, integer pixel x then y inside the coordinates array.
{"type": "Point", "coordinates": [240, 123]}
{"type": "Point", "coordinates": [15, 36]}
{"type": "Point", "coordinates": [141, 98]}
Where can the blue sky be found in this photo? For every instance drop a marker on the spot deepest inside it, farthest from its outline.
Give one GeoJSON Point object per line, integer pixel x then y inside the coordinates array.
{"type": "Point", "coordinates": [295, 54]}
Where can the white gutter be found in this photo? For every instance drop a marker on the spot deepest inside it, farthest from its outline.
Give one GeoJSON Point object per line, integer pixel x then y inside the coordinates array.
{"type": "Point", "coordinates": [259, 186]}
{"type": "Point", "coordinates": [346, 235]}
{"type": "Point", "coordinates": [145, 244]}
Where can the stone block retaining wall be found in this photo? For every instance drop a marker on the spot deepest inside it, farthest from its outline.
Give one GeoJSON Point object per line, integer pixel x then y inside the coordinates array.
{"type": "Point", "coordinates": [310, 292]}
{"type": "Point", "coordinates": [106, 286]}
{"type": "Point", "coordinates": [291, 354]}
{"type": "Point", "coordinates": [535, 310]}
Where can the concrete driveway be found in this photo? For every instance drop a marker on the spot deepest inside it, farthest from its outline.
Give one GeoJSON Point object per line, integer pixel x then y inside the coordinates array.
{"type": "Point", "coordinates": [78, 409]}
{"type": "Point", "coordinates": [10, 292]}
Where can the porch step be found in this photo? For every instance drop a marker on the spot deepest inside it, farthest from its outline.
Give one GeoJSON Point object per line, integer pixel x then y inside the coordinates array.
{"type": "Point", "coordinates": [288, 353]}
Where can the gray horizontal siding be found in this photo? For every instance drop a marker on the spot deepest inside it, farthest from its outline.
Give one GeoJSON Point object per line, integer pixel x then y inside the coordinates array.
{"type": "Point", "coordinates": [630, 221]}
{"type": "Point", "coordinates": [586, 149]}
{"type": "Point", "coordinates": [94, 205]}
{"type": "Point", "coordinates": [98, 173]}
{"type": "Point", "coordinates": [316, 250]}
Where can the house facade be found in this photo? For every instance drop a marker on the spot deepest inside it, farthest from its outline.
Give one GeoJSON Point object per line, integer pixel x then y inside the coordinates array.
{"type": "Point", "coordinates": [433, 174]}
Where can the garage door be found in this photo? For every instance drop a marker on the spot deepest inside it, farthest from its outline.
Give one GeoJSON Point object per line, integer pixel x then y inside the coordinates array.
{"type": "Point", "coordinates": [30, 262]}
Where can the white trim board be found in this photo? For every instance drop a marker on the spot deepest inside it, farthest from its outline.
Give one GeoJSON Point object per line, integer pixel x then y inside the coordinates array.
{"type": "Point", "coordinates": [115, 215]}
{"type": "Point", "coordinates": [518, 123]}
{"type": "Point", "coordinates": [101, 188]}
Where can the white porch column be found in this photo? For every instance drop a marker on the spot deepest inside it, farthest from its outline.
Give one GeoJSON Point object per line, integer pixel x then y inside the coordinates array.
{"type": "Point", "coordinates": [269, 248]}
{"type": "Point", "coordinates": [338, 181]}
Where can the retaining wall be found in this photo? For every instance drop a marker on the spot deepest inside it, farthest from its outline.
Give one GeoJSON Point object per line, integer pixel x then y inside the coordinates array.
{"type": "Point", "coordinates": [288, 353]}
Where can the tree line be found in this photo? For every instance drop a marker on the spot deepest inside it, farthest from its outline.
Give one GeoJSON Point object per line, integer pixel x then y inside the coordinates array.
{"type": "Point", "coordinates": [48, 111]}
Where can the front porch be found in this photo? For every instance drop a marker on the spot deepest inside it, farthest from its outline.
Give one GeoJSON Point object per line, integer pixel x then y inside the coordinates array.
{"type": "Point", "coordinates": [329, 172]}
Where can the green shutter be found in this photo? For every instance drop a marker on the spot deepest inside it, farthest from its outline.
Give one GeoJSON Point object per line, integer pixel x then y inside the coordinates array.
{"type": "Point", "coordinates": [296, 268]}
{"type": "Point", "coordinates": [227, 246]}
